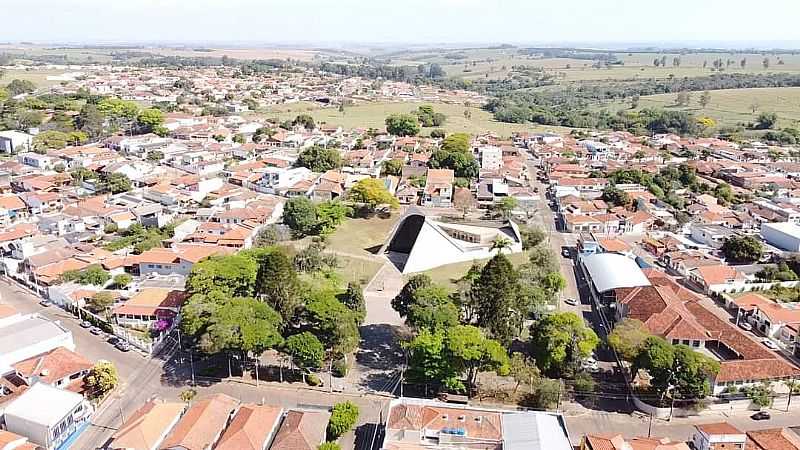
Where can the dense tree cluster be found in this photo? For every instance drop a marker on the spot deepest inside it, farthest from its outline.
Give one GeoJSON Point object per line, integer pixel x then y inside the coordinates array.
{"type": "Point", "coordinates": [320, 159]}
{"type": "Point", "coordinates": [256, 300]}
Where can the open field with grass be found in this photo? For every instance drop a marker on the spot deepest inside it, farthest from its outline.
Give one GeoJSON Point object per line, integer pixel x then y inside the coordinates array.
{"type": "Point", "coordinates": [356, 236]}
{"type": "Point", "coordinates": [37, 76]}
{"type": "Point", "coordinates": [496, 64]}
{"type": "Point", "coordinates": [71, 55]}
{"type": "Point", "coordinates": [731, 106]}
{"type": "Point", "coordinates": [373, 115]}
{"type": "Point", "coordinates": [237, 53]}
{"type": "Point", "coordinates": [447, 275]}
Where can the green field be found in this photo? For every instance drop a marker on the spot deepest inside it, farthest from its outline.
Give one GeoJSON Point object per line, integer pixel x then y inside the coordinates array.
{"type": "Point", "coordinates": [731, 106]}
{"type": "Point", "coordinates": [448, 274]}
{"type": "Point", "coordinates": [373, 115]}
{"type": "Point", "coordinates": [357, 235]}
{"type": "Point", "coordinates": [37, 76]}
{"type": "Point", "coordinates": [496, 63]}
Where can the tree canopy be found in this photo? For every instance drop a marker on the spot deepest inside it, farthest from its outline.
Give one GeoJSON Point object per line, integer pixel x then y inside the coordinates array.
{"type": "Point", "coordinates": [742, 249]}
{"type": "Point", "coordinates": [402, 125]}
{"type": "Point", "coordinates": [560, 341]}
{"type": "Point", "coordinates": [320, 159]}
{"type": "Point", "coordinates": [372, 192]}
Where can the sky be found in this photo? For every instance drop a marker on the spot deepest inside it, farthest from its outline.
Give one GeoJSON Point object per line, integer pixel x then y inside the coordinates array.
{"type": "Point", "coordinates": [320, 22]}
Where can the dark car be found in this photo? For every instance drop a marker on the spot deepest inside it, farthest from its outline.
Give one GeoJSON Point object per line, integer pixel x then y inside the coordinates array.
{"type": "Point", "coordinates": [761, 415]}
{"type": "Point", "coordinates": [112, 340]}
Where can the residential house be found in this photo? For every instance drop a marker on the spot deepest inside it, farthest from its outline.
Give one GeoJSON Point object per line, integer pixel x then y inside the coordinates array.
{"type": "Point", "coordinates": [718, 278]}
{"type": "Point", "coordinates": [301, 430]}
{"type": "Point", "coordinates": [60, 367]}
{"type": "Point", "coordinates": [718, 436]}
{"type": "Point", "coordinates": [201, 427]}
{"type": "Point", "coordinates": [418, 423]}
{"type": "Point", "coordinates": [148, 306]}
{"type": "Point", "coordinates": [618, 442]}
{"type": "Point", "coordinates": [253, 428]}
{"type": "Point", "coordinates": [63, 417]}
{"type": "Point", "coordinates": [773, 439]}
{"type": "Point", "coordinates": [176, 260]}
{"type": "Point", "coordinates": [439, 188]}
{"type": "Point", "coordinates": [146, 428]}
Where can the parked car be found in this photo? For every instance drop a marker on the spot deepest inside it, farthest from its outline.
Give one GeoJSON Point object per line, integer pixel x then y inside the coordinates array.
{"type": "Point", "coordinates": [86, 324]}
{"type": "Point", "coordinates": [45, 303]}
{"type": "Point", "coordinates": [113, 340]}
{"type": "Point", "coordinates": [565, 252]}
{"type": "Point", "coordinates": [571, 301]}
{"type": "Point", "coordinates": [122, 346]}
{"type": "Point", "coordinates": [769, 344]}
{"type": "Point", "coordinates": [95, 330]}
{"type": "Point", "coordinates": [590, 364]}
{"type": "Point", "coordinates": [745, 326]}
{"type": "Point", "coordinates": [761, 415]}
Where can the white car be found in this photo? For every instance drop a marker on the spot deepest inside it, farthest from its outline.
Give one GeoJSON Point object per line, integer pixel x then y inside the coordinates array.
{"type": "Point", "coordinates": [745, 326]}
{"type": "Point", "coordinates": [571, 301]}
{"type": "Point", "coordinates": [769, 344]}
{"type": "Point", "coordinates": [590, 364]}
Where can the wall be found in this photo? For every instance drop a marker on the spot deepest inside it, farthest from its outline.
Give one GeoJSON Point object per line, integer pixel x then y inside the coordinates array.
{"type": "Point", "coordinates": [742, 286]}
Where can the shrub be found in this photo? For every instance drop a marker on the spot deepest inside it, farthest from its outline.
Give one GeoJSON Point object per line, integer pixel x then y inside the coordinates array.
{"type": "Point", "coordinates": [313, 380]}
{"type": "Point", "coordinates": [340, 368]}
{"type": "Point", "coordinates": [329, 446]}
{"type": "Point", "coordinates": [343, 418]}
{"type": "Point", "coordinates": [584, 383]}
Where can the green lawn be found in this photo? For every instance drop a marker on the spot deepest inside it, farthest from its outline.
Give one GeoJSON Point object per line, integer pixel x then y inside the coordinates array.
{"type": "Point", "coordinates": [357, 235]}
{"type": "Point", "coordinates": [37, 76]}
{"type": "Point", "coordinates": [732, 106]}
{"type": "Point", "coordinates": [357, 269]}
{"type": "Point", "coordinates": [447, 275]}
{"type": "Point", "coordinates": [373, 115]}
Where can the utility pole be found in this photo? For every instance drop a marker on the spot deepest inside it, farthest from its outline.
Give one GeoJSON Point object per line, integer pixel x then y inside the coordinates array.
{"type": "Point", "coordinates": [258, 362]}
{"type": "Point", "coordinates": [330, 375]}
{"type": "Point", "coordinates": [791, 388]}
{"type": "Point", "coordinates": [650, 426]}
{"type": "Point", "coordinates": [191, 364]}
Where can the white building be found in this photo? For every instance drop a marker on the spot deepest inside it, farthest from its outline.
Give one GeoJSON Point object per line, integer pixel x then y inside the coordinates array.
{"type": "Point", "coordinates": [491, 158]}
{"type": "Point", "coordinates": [22, 337]}
{"type": "Point", "coordinates": [11, 141]}
{"type": "Point", "coordinates": [784, 235]}
{"type": "Point", "coordinates": [36, 160]}
{"type": "Point", "coordinates": [48, 416]}
{"type": "Point", "coordinates": [419, 243]}
{"type": "Point", "coordinates": [718, 436]}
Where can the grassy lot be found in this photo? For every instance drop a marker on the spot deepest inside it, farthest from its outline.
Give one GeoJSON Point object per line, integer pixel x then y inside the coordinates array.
{"type": "Point", "coordinates": [355, 236]}
{"type": "Point", "coordinates": [732, 106]}
{"type": "Point", "coordinates": [37, 76]}
{"type": "Point", "coordinates": [357, 269]}
{"type": "Point", "coordinates": [447, 275]}
{"type": "Point", "coordinates": [373, 115]}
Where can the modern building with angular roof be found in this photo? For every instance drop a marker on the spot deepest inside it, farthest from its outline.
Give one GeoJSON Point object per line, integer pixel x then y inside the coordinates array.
{"type": "Point", "coordinates": [419, 242]}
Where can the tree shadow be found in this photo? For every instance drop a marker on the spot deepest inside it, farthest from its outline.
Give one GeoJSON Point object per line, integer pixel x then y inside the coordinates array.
{"type": "Point", "coordinates": [379, 349]}
{"type": "Point", "coordinates": [369, 436]}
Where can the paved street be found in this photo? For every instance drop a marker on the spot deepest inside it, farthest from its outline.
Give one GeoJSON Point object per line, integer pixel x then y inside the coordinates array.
{"type": "Point", "coordinates": [164, 376]}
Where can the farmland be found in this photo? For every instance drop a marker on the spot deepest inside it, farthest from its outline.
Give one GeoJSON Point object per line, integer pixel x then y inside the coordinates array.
{"type": "Point", "coordinates": [732, 106]}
